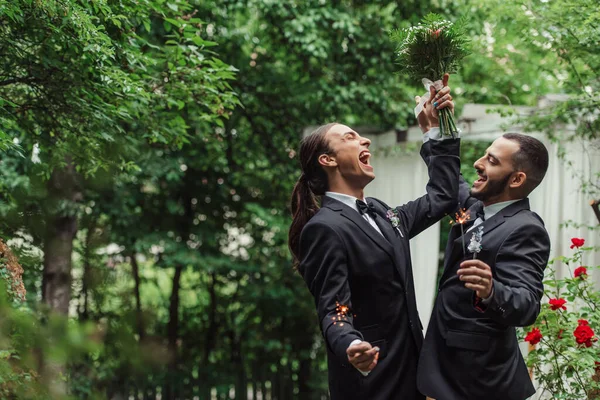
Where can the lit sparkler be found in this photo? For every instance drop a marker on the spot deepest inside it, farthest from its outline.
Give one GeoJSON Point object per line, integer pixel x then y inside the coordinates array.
{"type": "Point", "coordinates": [460, 218]}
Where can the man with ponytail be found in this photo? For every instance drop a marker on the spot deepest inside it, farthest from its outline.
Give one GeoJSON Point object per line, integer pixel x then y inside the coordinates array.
{"type": "Point", "coordinates": [354, 255]}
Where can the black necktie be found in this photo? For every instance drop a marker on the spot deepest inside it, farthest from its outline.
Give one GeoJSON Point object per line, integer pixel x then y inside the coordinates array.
{"type": "Point", "coordinates": [368, 208]}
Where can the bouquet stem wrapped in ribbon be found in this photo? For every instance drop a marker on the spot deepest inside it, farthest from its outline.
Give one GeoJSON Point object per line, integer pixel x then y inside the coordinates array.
{"type": "Point", "coordinates": [429, 50]}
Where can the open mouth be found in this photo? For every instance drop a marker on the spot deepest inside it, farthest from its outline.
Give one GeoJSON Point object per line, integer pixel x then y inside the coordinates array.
{"type": "Point", "coordinates": [364, 157]}
{"type": "Point", "coordinates": [481, 180]}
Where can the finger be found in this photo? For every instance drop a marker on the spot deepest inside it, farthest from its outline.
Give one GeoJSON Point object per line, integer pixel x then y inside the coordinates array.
{"type": "Point", "coordinates": [364, 356]}
{"type": "Point", "coordinates": [444, 104]}
{"type": "Point", "coordinates": [372, 366]}
{"type": "Point", "coordinates": [431, 94]}
{"type": "Point", "coordinates": [367, 366]}
{"type": "Point", "coordinates": [476, 288]}
{"type": "Point", "coordinates": [365, 359]}
{"type": "Point", "coordinates": [442, 92]}
{"type": "Point", "coordinates": [474, 263]}
{"type": "Point", "coordinates": [471, 271]}
{"type": "Point", "coordinates": [475, 276]}
{"type": "Point", "coordinates": [445, 79]}
{"type": "Point", "coordinates": [417, 99]}
{"type": "Point", "coordinates": [358, 348]}
{"type": "Point", "coordinates": [479, 280]}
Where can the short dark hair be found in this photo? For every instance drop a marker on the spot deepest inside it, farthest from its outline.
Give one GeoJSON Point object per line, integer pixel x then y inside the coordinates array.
{"type": "Point", "coordinates": [531, 158]}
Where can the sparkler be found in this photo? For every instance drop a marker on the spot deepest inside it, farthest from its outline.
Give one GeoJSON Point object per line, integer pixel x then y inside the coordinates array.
{"type": "Point", "coordinates": [460, 218]}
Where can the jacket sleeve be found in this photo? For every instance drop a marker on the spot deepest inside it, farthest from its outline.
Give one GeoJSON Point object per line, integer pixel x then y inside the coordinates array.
{"type": "Point", "coordinates": [518, 277]}
{"type": "Point", "coordinates": [443, 164]}
{"type": "Point", "coordinates": [324, 269]}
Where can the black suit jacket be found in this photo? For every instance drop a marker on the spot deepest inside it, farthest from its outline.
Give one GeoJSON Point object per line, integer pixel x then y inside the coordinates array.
{"type": "Point", "coordinates": [345, 261]}
{"type": "Point", "coordinates": [471, 350]}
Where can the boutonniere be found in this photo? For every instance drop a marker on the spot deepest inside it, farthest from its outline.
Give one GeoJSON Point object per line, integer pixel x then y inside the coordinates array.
{"type": "Point", "coordinates": [475, 244]}
{"type": "Point", "coordinates": [392, 216]}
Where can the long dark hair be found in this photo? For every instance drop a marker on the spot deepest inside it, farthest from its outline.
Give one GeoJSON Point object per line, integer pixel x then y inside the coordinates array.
{"type": "Point", "coordinates": [312, 183]}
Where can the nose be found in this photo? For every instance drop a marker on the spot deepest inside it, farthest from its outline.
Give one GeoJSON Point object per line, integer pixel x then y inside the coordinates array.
{"type": "Point", "coordinates": [365, 141]}
{"type": "Point", "coordinates": [479, 163]}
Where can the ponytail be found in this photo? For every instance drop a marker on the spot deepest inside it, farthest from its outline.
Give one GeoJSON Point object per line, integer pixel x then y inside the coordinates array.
{"type": "Point", "coordinates": [312, 183]}
{"type": "Point", "coordinates": [304, 207]}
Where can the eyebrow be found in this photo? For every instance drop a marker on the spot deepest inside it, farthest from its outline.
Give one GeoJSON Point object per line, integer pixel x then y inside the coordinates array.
{"type": "Point", "coordinates": [494, 157]}
{"type": "Point", "coordinates": [349, 133]}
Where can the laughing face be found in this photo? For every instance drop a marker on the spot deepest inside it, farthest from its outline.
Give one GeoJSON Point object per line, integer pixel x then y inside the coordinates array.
{"type": "Point", "coordinates": [350, 156]}
{"type": "Point", "coordinates": [495, 170]}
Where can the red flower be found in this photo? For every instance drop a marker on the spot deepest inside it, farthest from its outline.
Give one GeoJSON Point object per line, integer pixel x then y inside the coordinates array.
{"type": "Point", "coordinates": [583, 322]}
{"type": "Point", "coordinates": [580, 272]}
{"type": "Point", "coordinates": [584, 334]}
{"type": "Point", "coordinates": [560, 332]}
{"type": "Point", "coordinates": [597, 364]}
{"type": "Point", "coordinates": [436, 33]}
{"type": "Point", "coordinates": [534, 336]}
{"type": "Point", "coordinates": [556, 304]}
{"type": "Point", "coordinates": [577, 242]}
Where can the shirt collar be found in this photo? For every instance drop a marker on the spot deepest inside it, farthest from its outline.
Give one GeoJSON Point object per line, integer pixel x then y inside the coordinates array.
{"type": "Point", "coordinates": [495, 208]}
{"type": "Point", "coordinates": [348, 200]}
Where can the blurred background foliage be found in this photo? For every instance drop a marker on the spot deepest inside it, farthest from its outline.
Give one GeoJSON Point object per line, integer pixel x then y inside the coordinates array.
{"type": "Point", "coordinates": [149, 154]}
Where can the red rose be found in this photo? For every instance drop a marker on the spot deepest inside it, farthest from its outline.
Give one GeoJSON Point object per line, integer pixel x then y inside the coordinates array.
{"type": "Point", "coordinates": [560, 332]}
{"type": "Point", "coordinates": [556, 304]}
{"type": "Point", "coordinates": [580, 272]}
{"type": "Point", "coordinates": [577, 242]}
{"type": "Point", "coordinates": [584, 334]}
{"type": "Point", "coordinates": [582, 322]}
{"type": "Point", "coordinates": [597, 364]}
{"type": "Point", "coordinates": [534, 336]}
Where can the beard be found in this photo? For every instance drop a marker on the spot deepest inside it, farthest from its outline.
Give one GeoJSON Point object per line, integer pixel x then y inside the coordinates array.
{"type": "Point", "coordinates": [492, 189]}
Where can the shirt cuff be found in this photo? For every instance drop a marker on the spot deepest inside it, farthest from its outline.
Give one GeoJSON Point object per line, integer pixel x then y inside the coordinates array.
{"type": "Point", "coordinates": [435, 134]}
{"type": "Point", "coordinates": [357, 341]}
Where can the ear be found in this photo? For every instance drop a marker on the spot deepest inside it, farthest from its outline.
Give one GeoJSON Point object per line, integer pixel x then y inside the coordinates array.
{"type": "Point", "coordinates": [327, 160]}
{"type": "Point", "coordinates": [518, 180]}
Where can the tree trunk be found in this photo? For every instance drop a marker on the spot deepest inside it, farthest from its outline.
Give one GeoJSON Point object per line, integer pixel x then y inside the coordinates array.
{"type": "Point", "coordinates": [86, 279]}
{"type": "Point", "coordinates": [135, 271]}
{"type": "Point", "coordinates": [304, 379]}
{"type": "Point", "coordinates": [58, 246]}
{"type": "Point", "coordinates": [172, 331]}
{"type": "Point", "coordinates": [61, 228]}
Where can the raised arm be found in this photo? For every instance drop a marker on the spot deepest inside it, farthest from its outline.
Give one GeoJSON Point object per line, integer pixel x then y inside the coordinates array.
{"type": "Point", "coordinates": [443, 165]}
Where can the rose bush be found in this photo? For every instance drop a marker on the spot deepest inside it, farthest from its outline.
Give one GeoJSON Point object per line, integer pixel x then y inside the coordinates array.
{"type": "Point", "coordinates": [565, 352]}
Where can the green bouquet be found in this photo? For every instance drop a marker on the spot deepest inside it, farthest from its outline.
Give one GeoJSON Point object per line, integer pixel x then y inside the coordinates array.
{"type": "Point", "coordinates": [429, 50]}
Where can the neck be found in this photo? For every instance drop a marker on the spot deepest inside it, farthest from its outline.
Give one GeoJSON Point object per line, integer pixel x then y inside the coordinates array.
{"type": "Point", "coordinates": [344, 188]}
{"type": "Point", "coordinates": [500, 199]}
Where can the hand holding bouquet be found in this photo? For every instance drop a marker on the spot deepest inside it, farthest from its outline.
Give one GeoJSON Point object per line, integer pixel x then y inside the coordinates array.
{"type": "Point", "coordinates": [429, 50]}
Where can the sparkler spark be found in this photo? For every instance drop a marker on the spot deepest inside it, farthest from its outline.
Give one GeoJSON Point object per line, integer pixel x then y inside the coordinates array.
{"type": "Point", "coordinates": [460, 218]}
{"type": "Point", "coordinates": [342, 312]}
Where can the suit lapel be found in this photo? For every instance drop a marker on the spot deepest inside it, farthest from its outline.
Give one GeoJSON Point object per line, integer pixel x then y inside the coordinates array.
{"type": "Point", "coordinates": [398, 246]}
{"type": "Point", "coordinates": [488, 225]}
{"type": "Point", "coordinates": [360, 223]}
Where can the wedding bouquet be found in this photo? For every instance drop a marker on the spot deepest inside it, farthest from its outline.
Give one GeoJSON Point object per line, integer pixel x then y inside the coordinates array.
{"type": "Point", "coordinates": [429, 50]}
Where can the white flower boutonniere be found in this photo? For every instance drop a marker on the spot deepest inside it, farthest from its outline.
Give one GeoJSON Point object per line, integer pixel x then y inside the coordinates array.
{"type": "Point", "coordinates": [475, 243]}
{"type": "Point", "coordinates": [392, 215]}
